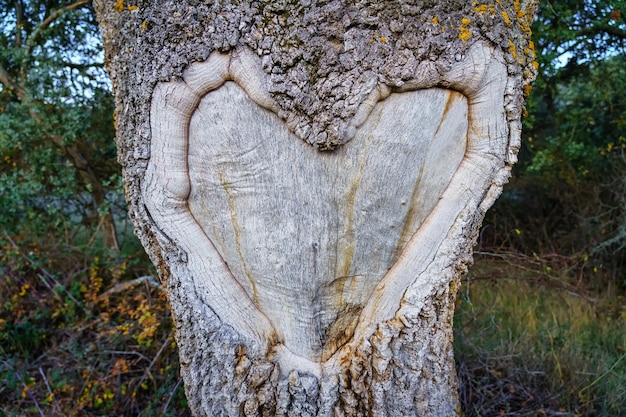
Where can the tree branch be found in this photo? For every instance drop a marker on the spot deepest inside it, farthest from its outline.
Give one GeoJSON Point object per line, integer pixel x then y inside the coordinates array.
{"type": "Point", "coordinates": [603, 28]}
{"type": "Point", "coordinates": [50, 19]}
{"type": "Point", "coordinates": [5, 78]}
{"type": "Point", "coordinates": [19, 17]}
{"type": "Point", "coordinates": [11, 84]}
{"type": "Point", "coordinates": [126, 285]}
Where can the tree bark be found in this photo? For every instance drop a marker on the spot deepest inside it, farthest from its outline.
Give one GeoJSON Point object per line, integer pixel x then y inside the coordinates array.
{"type": "Point", "coordinates": [309, 178]}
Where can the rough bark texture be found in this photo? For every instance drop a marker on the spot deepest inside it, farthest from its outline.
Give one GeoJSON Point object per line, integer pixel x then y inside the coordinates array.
{"type": "Point", "coordinates": [322, 68]}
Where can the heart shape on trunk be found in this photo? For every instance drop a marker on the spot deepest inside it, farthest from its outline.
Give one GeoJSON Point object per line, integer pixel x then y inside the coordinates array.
{"type": "Point", "coordinates": [304, 248]}
{"type": "Point", "coordinates": [309, 234]}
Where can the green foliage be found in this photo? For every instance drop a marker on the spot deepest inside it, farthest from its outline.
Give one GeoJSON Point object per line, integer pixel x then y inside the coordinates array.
{"type": "Point", "coordinates": [577, 33]}
{"type": "Point", "coordinates": [84, 328]}
{"type": "Point", "coordinates": [57, 153]}
{"type": "Point", "coordinates": [584, 137]}
{"type": "Point", "coordinates": [37, 181]}
{"type": "Point", "coordinates": [568, 193]}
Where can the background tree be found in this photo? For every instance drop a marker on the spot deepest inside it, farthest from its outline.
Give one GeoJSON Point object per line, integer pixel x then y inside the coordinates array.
{"type": "Point", "coordinates": [56, 130]}
{"type": "Point", "coordinates": [567, 193]}
{"type": "Point", "coordinates": [84, 328]}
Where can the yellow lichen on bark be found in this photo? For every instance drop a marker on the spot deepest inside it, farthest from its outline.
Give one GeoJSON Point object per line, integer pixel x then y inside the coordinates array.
{"type": "Point", "coordinates": [506, 17]}
{"type": "Point", "coordinates": [119, 6]}
{"type": "Point", "coordinates": [435, 22]}
{"type": "Point", "coordinates": [484, 8]}
{"type": "Point", "coordinates": [527, 89]}
{"type": "Point", "coordinates": [464, 32]}
{"type": "Point", "coordinates": [518, 10]}
{"type": "Point", "coordinates": [512, 49]}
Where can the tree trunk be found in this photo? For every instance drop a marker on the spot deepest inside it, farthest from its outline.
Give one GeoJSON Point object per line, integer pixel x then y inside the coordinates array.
{"type": "Point", "coordinates": [309, 178]}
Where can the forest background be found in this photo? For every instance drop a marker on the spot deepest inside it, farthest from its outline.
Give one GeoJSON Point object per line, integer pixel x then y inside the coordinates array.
{"type": "Point", "coordinates": [84, 325]}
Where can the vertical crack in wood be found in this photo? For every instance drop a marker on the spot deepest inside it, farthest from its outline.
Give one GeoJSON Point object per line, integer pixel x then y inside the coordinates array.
{"type": "Point", "coordinates": [237, 232]}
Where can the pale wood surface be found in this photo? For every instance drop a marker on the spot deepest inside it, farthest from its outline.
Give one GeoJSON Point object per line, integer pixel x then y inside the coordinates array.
{"type": "Point", "coordinates": [307, 234]}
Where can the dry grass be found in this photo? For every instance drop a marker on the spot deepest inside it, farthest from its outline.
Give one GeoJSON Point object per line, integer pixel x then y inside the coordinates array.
{"type": "Point", "coordinates": [529, 343]}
